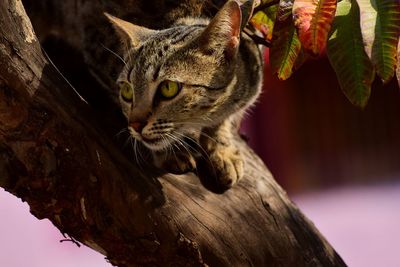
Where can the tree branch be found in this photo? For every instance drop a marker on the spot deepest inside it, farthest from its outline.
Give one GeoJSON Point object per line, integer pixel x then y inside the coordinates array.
{"type": "Point", "coordinates": [257, 39]}
{"type": "Point", "coordinates": [54, 156]}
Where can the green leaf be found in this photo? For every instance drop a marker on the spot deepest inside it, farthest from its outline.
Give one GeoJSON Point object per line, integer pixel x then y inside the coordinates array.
{"type": "Point", "coordinates": [347, 55]}
{"type": "Point", "coordinates": [380, 27]}
{"type": "Point", "coordinates": [285, 50]}
{"type": "Point", "coordinates": [313, 19]}
{"type": "Point", "coordinates": [264, 21]}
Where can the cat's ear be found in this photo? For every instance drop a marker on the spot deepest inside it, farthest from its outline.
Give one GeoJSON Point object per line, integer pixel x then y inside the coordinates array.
{"type": "Point", "coordinates": [223, 32]}
{"type": "Point", "coordinates": [130, 34]}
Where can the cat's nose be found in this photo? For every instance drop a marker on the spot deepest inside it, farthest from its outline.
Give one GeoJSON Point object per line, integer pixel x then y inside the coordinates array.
{"type": "Point", "coordinates": [138, 125]}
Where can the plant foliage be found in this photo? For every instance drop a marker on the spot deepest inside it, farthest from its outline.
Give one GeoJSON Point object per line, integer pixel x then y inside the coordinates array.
{"type": "Point", "coordinates": [360, 38]}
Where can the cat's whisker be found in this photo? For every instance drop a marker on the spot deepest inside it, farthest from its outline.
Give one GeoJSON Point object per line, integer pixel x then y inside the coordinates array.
{"type": "Point", "coordinates": [208, 136]}
{"type": "Point", "coordinates": [203, 154]}
{"type": "Point", "coordinates": [200, 132]}
{"type": "Point", "coordinates": [135, 151]}
{"type": "Point", "coordinates": [129, 54]}
{"type": "Point", "coordinates": [126, 141]}
{"type": "Point", "coordinates": [140, 152]}
{"type": "Point", "coordinates": [181, 142]}
{"type": "Point", "coordinates": [133, 145]}
{"type": "Point", "coordinates": [173, 151]}
{"type": "Point", "coordinates": [166, 146]}
{"type": "Point", "coordinates": [117, 135]}
{"type": "Point", "coordinates": [115, 54]}
{"type": "Point", "coordinates": [65, 79]}
{"type": "Point", "coordinates": [134, 148]}
{"type": "Point", "coordinates": [171, 145]}
{"type": "Point", "coordinates": [175, 145]}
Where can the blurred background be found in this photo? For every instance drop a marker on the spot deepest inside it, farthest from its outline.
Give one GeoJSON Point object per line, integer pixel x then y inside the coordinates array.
{"type": "Point", "coordinates": [313, 138]}
{"type": "Point", "coordinates": [340, 164]}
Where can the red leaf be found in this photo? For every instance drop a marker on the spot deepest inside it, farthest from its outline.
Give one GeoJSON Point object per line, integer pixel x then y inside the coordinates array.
{"type": "Point", "coordinates": [313, 19]}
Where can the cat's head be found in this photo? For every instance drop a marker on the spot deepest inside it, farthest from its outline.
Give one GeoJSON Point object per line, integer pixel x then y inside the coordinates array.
{"type": "Point", "coordinates": [177, 80]}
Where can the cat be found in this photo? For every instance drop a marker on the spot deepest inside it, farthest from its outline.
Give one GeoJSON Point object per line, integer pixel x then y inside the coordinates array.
{"type": "Point", "coordinates": [214, 68]}
{"type": "Point", "coordinates": [185, 88]}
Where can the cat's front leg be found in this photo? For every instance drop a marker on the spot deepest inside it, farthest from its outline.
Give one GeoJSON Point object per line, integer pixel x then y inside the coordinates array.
{"type": "Point", "coordinates": [225, 160]}
{"type": "Point", "coordinates": [174, 161]}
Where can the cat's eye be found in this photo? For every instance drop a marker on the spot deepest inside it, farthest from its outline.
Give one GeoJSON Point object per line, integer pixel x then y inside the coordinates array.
{"type": "Point", "coordinates": [126, 91]}
{"type": "Point", "coordinates": [169, 89]}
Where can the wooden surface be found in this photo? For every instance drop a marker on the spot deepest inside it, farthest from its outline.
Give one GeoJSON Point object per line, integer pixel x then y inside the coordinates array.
{"type": "Point", "coordinates": [55, 156]}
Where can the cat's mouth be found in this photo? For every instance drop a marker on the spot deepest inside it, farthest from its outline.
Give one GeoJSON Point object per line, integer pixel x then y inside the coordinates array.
{"type": "Point", "coordinates": [155, 143]}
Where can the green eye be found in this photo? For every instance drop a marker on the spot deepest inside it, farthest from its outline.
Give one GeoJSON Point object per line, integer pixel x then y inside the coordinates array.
{"type": "Point", "coordinates": [126, 91]}
{"type": "Point", "coordinates": [169, 89]}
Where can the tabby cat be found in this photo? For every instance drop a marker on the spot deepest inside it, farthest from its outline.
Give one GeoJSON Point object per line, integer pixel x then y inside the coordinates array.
{"type": "Point", "coordinates": [190, 82]}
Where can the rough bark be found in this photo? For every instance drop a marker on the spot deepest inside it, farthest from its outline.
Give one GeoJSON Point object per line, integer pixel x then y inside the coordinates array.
{"type": "Point", "coordinates": [55, 156]}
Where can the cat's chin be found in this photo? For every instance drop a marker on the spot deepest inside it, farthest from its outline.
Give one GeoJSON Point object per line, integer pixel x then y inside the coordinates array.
{"type": "Point", "coordinates": [155, 144]}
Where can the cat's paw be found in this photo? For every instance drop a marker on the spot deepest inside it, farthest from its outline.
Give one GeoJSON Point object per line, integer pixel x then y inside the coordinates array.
{"type": "Point", "coordinates": [227, 164]}
{"type": "Point", "coordinates": [177, 163]}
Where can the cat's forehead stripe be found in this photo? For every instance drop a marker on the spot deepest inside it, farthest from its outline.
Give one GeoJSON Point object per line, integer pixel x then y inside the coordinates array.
{"type": "Point", "coordinates": [185, 34]}
{"type": "Point", "coordinates": [158, 58]}
{"type": "Point", "coordinates": [156, 72]}
{"type": "Point", "coordinates": [173, 32]}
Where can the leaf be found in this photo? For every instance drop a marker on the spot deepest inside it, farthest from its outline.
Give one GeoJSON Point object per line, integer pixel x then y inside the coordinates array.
{"type": "Point", "coordinates": [347, 55]}
{"type": "Point", "coordinates": [284, 10]}
{"type": "Point", "coordinates": [247, 8]}
{"type": "Point", "coordinates": [264, 21]}
{"type": "Point", "coordinates": [313, 19]}
{"type": "Point", "coordinates": [285, 50]}
{"type": "Point", "coordinates": [380, 27]}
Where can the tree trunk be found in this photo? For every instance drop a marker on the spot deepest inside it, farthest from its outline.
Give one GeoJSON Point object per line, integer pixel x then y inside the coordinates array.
{"type": "Point", "coordinates": [55, 155]}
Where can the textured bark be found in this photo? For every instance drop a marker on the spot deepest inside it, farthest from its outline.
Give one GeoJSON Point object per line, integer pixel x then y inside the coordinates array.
{"type": "Point", "coordinates": [57, 157]}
